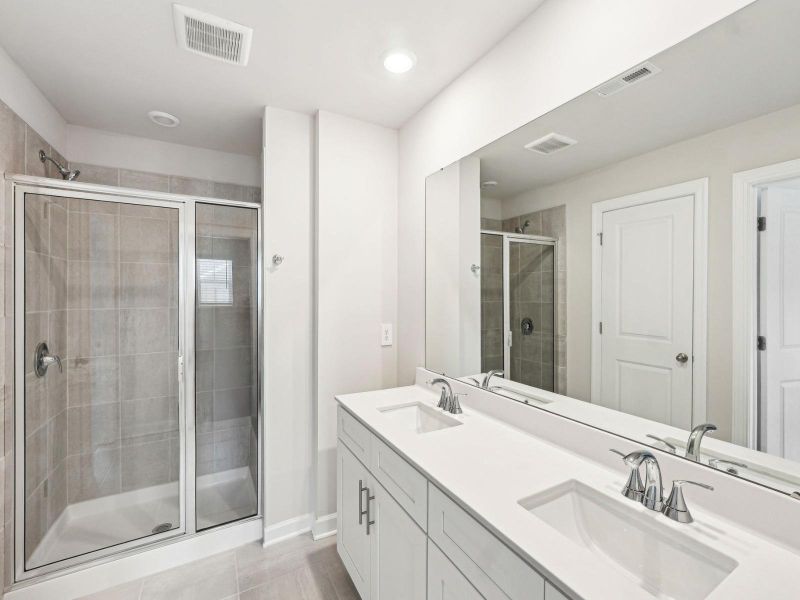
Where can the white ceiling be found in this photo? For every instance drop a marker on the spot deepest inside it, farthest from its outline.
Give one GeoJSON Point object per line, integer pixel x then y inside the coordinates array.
{"type": "Point", "coordinates": [745, 66]}
{"type": "Point", "coordinates": [105, 63]}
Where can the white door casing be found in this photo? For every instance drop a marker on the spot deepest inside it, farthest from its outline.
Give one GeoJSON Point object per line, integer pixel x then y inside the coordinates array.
{"type": "Point", "coordinates": [649, 293]}
{"type": "Point", "coordinates": [744, 298]}
{"type": "Point", "coordinates": [779, 315]}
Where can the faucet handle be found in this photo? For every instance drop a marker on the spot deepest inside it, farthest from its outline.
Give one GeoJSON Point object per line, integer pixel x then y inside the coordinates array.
{"type": "Point", "coordinates": [633, 488]}
{"type": "Point", "coordinates": [455, 405]}
{"type": "Point", "coordinates": [671, 447]}
{"type": "Point", "coordinates": [675, 507]}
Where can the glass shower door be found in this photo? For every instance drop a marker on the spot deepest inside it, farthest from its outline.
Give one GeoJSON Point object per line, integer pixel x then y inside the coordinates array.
{"type": "Point", "coordinates": [531, 311]}
{"type": "Point", "coordinates": [99, 424]}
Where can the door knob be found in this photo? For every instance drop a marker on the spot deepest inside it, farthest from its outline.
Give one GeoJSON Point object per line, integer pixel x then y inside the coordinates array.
{"type": "Point", "coordinates": [682, 357]}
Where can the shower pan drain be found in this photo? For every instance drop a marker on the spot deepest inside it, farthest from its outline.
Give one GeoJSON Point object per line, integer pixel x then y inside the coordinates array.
{"type": "Point", "coordinates": [162, 527]}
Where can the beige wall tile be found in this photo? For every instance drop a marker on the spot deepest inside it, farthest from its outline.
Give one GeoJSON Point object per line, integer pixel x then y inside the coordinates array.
{"type": "Point", "coordinates": [33, 166]}
{"type": "Point", "coordinates": [93, 236]}
{"type": "Point", "coordinates": [145, 240]}
{"type": "Point", "coordinates": [96, 174]}
{"type": "Point", "coordinates": [93, 427]}
{"type": "Point", "coordinates": [190, 187]}
{"type": "Point", "coordinates": [145, 285]}
{"type": "Point", "coordinates": [144, 330]}
{"type": "Point", "coordinates": [144, 465]}
{"type": "Point", "coordinates": [92, 333]}
{"type": "Point", "coordinates": [93, 380]}
{"type": "Point", "coordinates": [93, 475]}
{"type": "Point", "coordinates": [144, 181]}
{"type": "Point", "coordinates": [12, 141]}
{"type": "Point", "coordinates": [145, 375]}
{"type": "Point", "coordinates": [92, 284]}
{"type": "Point", "coordinates": [147, 420]}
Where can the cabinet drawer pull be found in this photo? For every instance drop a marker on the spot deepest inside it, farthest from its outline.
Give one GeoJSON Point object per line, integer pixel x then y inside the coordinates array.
{"type": "Point", "coordinates": [369, 499]}
{"type": "Point", "coordinates": [361, 512]}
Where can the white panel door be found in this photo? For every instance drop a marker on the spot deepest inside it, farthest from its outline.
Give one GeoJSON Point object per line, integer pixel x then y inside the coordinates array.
{"type": "Point", "coordinates": [780, 321]}
{"type": "Point", "coordinates": [352, 541]}
{"type": "Point", "coordinates": [398, 550]}
{"type": "Point", "coordinates": [646, 310]}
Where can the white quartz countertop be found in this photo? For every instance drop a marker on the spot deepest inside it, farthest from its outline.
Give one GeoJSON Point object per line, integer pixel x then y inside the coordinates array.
{"type": "Point", "coordinates": [488, 466]}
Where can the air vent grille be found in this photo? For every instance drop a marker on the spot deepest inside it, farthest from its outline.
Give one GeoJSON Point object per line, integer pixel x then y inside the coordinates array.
{"type": "Point", "coordinates": [552, 142]}
{"type": "Point", "coordinates": [635, 75]}
{"type": "Point", "coordinates": [212, 36]}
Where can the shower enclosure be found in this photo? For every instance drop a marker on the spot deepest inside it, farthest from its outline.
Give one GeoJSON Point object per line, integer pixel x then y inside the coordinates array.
{"type": "Point", "coordinates": [137, 381]}
{"type": "Point", "coordinates": [518, 307]}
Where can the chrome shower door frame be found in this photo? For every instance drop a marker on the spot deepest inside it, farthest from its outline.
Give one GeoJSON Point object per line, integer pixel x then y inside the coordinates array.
{"type": "Point", "coordinates": [21, 185]}
{"type": "Point", "coordinates": [508, 336]}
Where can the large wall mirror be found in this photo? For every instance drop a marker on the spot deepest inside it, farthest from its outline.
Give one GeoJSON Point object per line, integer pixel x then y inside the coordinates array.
{"type": "Point", "coordinates": [632, 259]}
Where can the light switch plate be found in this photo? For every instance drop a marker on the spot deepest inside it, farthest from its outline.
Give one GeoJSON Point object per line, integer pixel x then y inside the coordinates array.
{"type": "Point", "coordinates": [386, 334]}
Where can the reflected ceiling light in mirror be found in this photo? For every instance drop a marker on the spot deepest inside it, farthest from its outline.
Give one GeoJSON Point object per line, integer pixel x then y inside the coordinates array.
{"type": "Point", "coordinates": [163, 118]}
{"type": "Point", "coordinates": [488, 185]}
{"type": "Point", "coordinates": [399, 61]}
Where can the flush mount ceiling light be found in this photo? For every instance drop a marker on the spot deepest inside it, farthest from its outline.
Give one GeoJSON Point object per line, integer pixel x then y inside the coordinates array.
{"type": "Point", "coordinates": [489, 184]}
{"type": "Point", "coordinates": [399, 61]}
{"type": "Point", "coordinates": [164, 119]}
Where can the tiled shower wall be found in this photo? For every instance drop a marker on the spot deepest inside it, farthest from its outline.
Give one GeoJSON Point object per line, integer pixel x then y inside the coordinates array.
{"type": "Point", "coordinates": [491, 301]}
{"type": "Point", "coordinates": [551, 222]}
{"type": "Point", "coordinates": [19, 147]}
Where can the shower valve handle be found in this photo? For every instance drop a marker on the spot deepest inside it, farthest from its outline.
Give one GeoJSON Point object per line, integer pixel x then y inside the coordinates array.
{"type": "Point", "coordinates": [42, 359]}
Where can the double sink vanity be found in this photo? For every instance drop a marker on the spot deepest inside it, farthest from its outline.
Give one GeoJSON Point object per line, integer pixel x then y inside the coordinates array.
{"type": "Point", "coordinates": [433, 504]}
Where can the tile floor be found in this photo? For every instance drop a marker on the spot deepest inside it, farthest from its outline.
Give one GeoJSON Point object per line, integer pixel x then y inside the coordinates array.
{"type": "Point", "coordinates": [298, 569]}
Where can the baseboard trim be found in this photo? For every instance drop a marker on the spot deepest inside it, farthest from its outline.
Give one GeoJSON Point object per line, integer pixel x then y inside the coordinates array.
{"type": "Point", "coordinates": [278, 532]}
{"type": "Point", "coordinates": [324, 526]}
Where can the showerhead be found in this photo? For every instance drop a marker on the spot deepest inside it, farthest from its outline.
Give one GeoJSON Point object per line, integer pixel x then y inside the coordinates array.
{"type": "Point", "coordinates": [522, 229]}
{"type": "Point", "coordinates": [65, 173]}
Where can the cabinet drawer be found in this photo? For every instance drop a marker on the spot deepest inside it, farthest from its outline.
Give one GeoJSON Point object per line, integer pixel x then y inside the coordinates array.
{"type": "Point", "coordinates": [445, 582]}
{"type": "Point", "coordinates": [354, 435]}
{"type": "Point", "coordinates": [490, 565]}
{"type": "Point", "coordinates": [401, 480]}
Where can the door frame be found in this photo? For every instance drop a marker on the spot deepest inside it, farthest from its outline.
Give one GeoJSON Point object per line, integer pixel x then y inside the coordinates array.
{"type": "Point", "coordinates": [22, 184]}
{"type": "Point", "coordinates": [699, 189]}
{"type": "Point", "coordinates": [744, 299]}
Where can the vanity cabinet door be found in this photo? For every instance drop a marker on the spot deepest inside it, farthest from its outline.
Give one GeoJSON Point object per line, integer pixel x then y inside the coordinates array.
{"type": "Point", "coordinates": [352, 541]}
{"type": "Point", "coordinates": [398, 550]}
{"type": "Point", "coordinates": [445, 582]}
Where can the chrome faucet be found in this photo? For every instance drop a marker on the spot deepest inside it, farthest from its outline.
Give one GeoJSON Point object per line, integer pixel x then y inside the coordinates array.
{"type": "Point", "coordinates": [489, 375]}
{"type": "Point", "coordinates": [447, 392]}
{"type": "Point", "coordinates": [695, 438]}
{"type": "Point", "coordinates": [651, 493]}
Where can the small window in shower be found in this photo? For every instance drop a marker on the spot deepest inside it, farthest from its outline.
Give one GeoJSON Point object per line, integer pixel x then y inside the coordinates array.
{"type": "Point", "coordinates": [215, 281]}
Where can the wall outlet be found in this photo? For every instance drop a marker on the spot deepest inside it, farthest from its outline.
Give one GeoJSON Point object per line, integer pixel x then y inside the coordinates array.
{"type": "Point", "coordinates": [386, 334]}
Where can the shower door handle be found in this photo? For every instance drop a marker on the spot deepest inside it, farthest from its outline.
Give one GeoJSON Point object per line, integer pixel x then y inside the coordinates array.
{"type": "Point", "coordinates": [42, 359]}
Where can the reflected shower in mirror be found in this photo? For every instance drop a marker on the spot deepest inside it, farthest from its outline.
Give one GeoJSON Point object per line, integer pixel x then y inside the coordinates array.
{"type": "Point", "coordinates": [630, 259]}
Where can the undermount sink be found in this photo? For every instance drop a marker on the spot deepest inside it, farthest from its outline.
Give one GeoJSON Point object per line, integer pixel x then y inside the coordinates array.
{"type": "Point", "coordinates": [664, 562]}
{"type": "Point", "coordinates": [418, 417]}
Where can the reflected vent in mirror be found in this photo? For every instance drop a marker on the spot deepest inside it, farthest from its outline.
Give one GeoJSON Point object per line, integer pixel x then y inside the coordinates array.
{"type": "Point", "coordinates": [212, 36]}
{"type": "Point", "coordinates": [552, 142]}
{"type": "Point", "coordinates": [627, 79]}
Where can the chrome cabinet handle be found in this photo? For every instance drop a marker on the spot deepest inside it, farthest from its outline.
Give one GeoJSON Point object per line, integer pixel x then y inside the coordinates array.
{"type": "Point", "coordinates": [682, 357]}
{"type": "Point", "coordinates": [361, 512]}
{"type": "Point", "coordinates": [369, 521]}
{"type": "Point", "coordinates": [42, 359]}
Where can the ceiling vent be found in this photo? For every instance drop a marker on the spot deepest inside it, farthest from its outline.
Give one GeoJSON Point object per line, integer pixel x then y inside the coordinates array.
{"type": "Point", "coordinates": [627, 79]}
{"type": "Point", "coordinates": [552, 142]}
{"type": "Point", "coordinates": [211, 36]}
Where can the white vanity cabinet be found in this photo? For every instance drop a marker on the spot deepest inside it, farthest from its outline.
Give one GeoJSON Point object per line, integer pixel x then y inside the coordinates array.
{"type": "Point", "coordinates": [402, 538]}
{"type": "Point", "coordinates": [381, 546]}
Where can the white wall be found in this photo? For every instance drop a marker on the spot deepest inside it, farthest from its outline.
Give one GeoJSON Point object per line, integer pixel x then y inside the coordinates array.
{"type": "Point", "coordinates": [356, 278]}
{"type": "Point", "coordinates": [289, 317]}
{"type": "Point", "coordinates": [563, 49]}
{"type": "Point", "coordinates": [452, 290]}
{"type": "Point", "coordinates": [25, 99]}
{"type": "Point", "coordinates": [96, 147]}
{"type": "Point", "coordinates": [766, 140]}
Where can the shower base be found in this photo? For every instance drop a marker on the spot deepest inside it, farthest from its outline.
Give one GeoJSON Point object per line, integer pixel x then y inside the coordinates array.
{"type": "Point", "coordinates": [103, 522]}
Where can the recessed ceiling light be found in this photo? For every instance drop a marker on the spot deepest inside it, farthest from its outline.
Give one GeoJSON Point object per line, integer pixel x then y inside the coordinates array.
{"type": "Point", "coordinates": [164, 119]}
{"type": "Point", "coordinates": [399, 61]}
